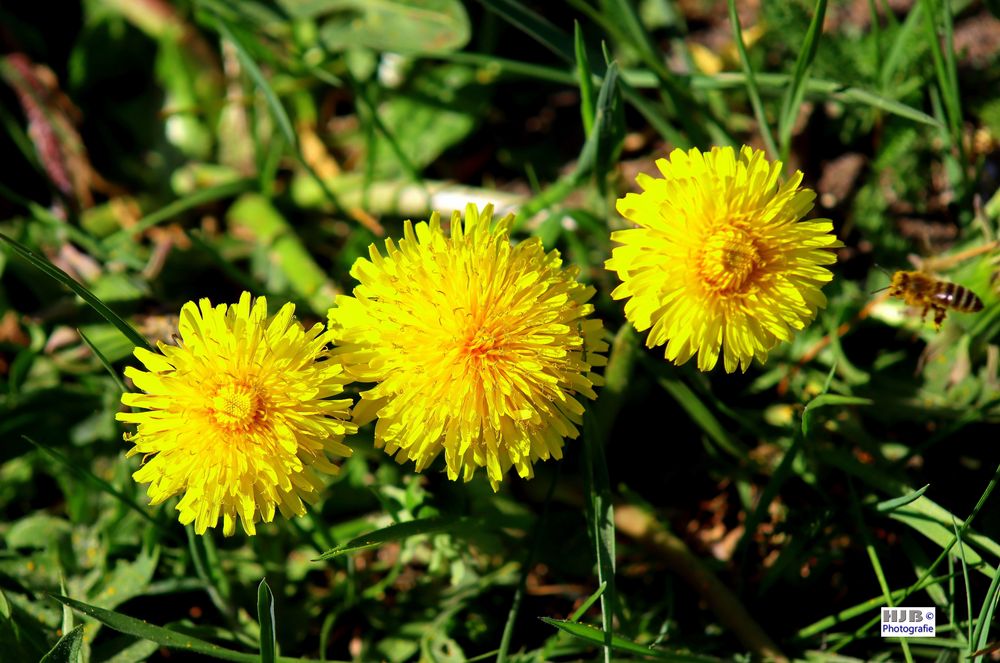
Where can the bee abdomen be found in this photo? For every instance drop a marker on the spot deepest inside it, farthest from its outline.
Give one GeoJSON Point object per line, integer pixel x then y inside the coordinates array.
{"type": "Point", "coordinates": [958, 298]}
{"type": "Point", "coordinates": [973, 302]}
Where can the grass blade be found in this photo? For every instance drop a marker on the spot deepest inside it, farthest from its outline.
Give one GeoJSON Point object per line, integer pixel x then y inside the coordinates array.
{"type": "Point", "coordinates": [104, 361]}
{"type": "Point", "coordinates": [701, 415]}
{"type": "Point", "coordinates": [529, 563]}
{"type": "Point", "coordinates": [934, 522]}
{"type": "Point", "coordinates": [540, 29]}
{"type": "Point", "coordinates": [856, 95]}
{"type": "Point", "coordinates": [904, 45]}
{"type": "Point", "coordinates": [585, 606]}
{"type": "Point", "coordinates": [875, 562]}
{"type": "Point", "coordinates": [752, 91]}
{"type": "Point", "coordinates": [584, 79]}
{"type": "Point", "coordinates": [158, 634]}
{"type": "Point", "coordinates": [65, 279]}
{"type": "Point", "coordinates": [945, 72]}
{"type": "Point", "coordinates": [597, 637]}
{"type": "Point", "coordinates": [796, 89]}
{"type": "Point", "coordinates": [265, 616]}
{"type": "Point", "coordinates": [600, 513]}
{"type": "Point", "coordinates": [166, 637]}
{"type": "Point", "coordinates": [820, 88]}
{"type": "Point", "coordinates": [596, 151]}
{"type": "Point", "coordinates": [617, 377]}
{"type": "Point", "coordinates": [274, 105]}
{"type": "Point", "coordinates": [981, 634]}
{"type": "Point", "coordinates": [257, 76]}
{"type": "Point", "coordinates": [405, 530]}
{"type": "Point", "coordinates": [693, 116]}
{"type": "Point", "coordinates": [94, 480]}
{"type": "Point", "coordinates": [827, 400]}
{"type": "Point", "coordinates": [922, 581]}
{"type": "Point", "coordinates": [562, 45]}
{"type": "Point", "coordinates": [864, 608]}
{"type": "Point", "coordinates": [608, 127]}
{"type": "Point", "coordinates": [888, 506]}
{"type": "Point", "coordinates": [965, 577]}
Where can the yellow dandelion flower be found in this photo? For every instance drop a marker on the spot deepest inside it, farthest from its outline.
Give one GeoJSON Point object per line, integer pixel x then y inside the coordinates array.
{"type": "Point", "coordinates": [477, 347]}
{"type": "Point", "coordinates": [238, 415]}
{"type": "Point", "coordinates": [721, 259]}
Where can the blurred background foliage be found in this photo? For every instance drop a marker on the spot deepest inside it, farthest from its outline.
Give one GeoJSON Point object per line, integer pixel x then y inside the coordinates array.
{"type": "Point", "coordinates": [159, 152]}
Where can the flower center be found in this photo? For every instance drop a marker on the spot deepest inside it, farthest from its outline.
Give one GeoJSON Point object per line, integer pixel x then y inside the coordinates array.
{"type": "Point", "coordinates": [482, 342]}
{"type": "Point", "coordinates": [728, 259]}
{"type": "Point", "coordinates": [236, 404]}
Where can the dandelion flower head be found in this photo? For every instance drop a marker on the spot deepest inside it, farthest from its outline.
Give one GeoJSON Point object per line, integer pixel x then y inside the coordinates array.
{"type": "Point", "coordinates": [721, 261]}
{"type": "Point", "coordinates": [476, 347]}
{"type": "Point", "coordinates": [238, 416]}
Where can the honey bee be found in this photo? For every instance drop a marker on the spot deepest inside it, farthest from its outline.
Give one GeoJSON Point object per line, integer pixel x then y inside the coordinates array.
{"type": "Point", "coordinates": [921, 290]}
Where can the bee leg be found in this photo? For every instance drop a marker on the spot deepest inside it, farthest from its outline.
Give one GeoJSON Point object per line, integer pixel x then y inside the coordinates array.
{"type": "Point", "coordinates": [939, 314]}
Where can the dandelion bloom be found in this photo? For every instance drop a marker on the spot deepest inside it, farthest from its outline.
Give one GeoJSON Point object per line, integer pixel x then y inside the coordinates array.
{"type": "Point", "coordinates": [476, 347]}
{"type": "Point", "coordinates": [721, 260]}
{"type": "Point", "coordinates": [238, 414]}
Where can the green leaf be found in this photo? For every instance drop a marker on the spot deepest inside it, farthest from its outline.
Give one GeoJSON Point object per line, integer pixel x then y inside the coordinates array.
{"type": "Point", "coordinates": [893, 504]}
{"type": "Point", "coordinates": [158, 634]}
{"type": "Point", "coordinates": [431, 113]}
{"type": "Point", "coordinates": [68, 649]}
{"type": "Point", "coordinates": [265, 616]}
{"type": "Point", "coordinates": [595, 636]}
{"type": "Point", "coordinates": [65, 279]}
{"type": "Point", "coordinates": [827, 400]}
{"type": "Point", "coordinates": [123, 649]}
{"type": "Point", "coordinates": [39, 530]}
{"type": "Point", "coordinates": [452, 524]}
{"type": "Point", "coordinates": [128, 579]}
{"type": "Point", "coordinates": [400, 26]}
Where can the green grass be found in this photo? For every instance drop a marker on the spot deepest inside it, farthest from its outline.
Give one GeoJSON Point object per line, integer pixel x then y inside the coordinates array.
{"type": "Point", "coordinates": [212, 147]}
